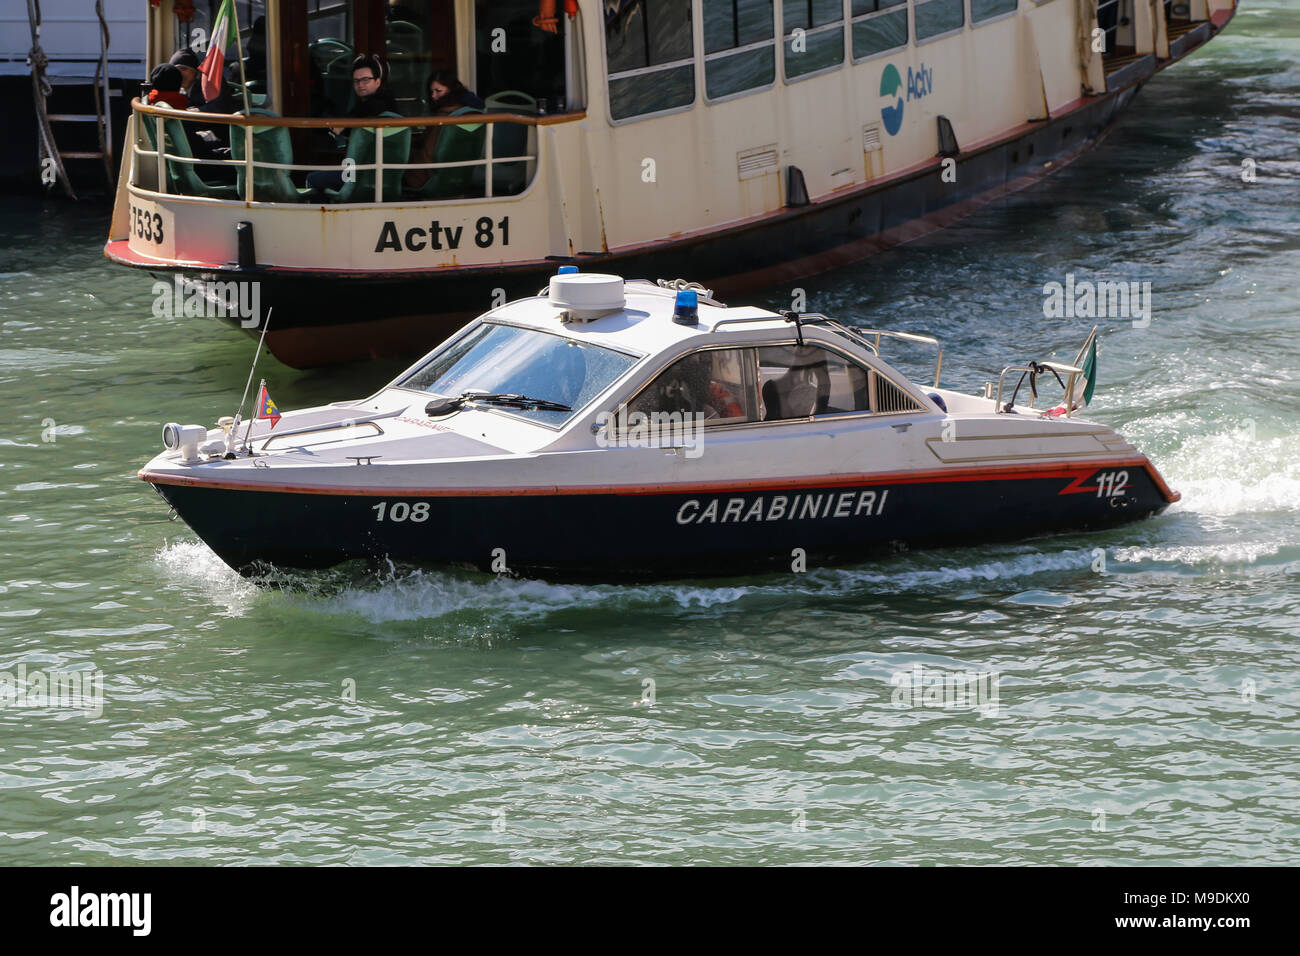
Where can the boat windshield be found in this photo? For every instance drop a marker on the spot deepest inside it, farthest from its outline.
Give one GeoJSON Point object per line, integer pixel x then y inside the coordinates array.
{"type": "Point", "coordinates": [499, 358]}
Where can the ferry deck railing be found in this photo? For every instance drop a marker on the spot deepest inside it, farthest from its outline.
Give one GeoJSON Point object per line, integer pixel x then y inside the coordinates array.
{"type": "Point", "coordinates": [158, 116]}
{"type": "Point", "coordinates": [1108, 17]}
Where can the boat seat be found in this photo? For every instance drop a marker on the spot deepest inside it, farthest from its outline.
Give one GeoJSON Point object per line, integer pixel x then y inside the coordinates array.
{"type": "Point", "coordinates": [323, 50]}
{"type": "Point", "coordinates": [456, 144]}
{"type": "Point", "coordinates": [182, 178]}
{"type": "Point", "coordinates": [509, 139]}
{"type": "Point", "coordinates": [798, 393]}
{"type": "Point", "coordinates": [271, 144]}
{"type": "Point", "coordinates": [511, 101]}
{"type": "Point", "coordinates": [404, 74]}
{"type": "Point", "coordinates": [337, 82]}
{"type": "Point", "coordinates": [361, 150]}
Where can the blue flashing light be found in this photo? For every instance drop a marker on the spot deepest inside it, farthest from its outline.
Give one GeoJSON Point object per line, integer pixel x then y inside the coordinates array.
{"type": "Point", "coordinates": [687, 309]}
{"type": "Point", "coordinates": [567, 270]}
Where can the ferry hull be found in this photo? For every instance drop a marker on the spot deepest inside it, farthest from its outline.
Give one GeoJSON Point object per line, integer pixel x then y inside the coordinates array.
{"type": "Point", "coordinates": [614, 533]}
{"type": "Point", "coordinates": [323, 317]}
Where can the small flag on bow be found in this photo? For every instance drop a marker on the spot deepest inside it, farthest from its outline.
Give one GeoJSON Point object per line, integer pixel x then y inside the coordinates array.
{"type": "Point", "coordinates": [266, 407]}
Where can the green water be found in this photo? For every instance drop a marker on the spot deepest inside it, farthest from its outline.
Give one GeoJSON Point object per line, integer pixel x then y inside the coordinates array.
{"type": "Point", "coordinates": [1146, 712]}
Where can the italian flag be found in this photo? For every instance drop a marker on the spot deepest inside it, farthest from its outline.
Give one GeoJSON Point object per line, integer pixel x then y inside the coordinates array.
{"type": "Point", "coordinates": [224, 32]}
{"type": "Point", "coordinates": [1085, 383]}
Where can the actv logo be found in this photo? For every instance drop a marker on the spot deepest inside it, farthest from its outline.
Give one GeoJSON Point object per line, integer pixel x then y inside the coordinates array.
{"type": "Point", "coordinates": [920, 83]}
{"type": "Point", "coordinates": [891, 85]}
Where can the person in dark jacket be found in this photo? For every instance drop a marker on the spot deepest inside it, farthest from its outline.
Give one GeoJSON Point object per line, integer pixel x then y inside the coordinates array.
{"type": "Point", "coordinates": [372, 98]}
{"type": "Point", "coordinates": [187, 61]}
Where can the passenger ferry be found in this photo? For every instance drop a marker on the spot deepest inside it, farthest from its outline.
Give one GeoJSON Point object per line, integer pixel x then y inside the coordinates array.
{"type": "Point", "coordinates": [611, 428]}
{"type": "Point", "coordinates": [743, 142]}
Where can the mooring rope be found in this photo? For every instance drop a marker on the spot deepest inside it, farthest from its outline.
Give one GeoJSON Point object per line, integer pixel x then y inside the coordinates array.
{"type": "Point", "coordinates": [103, 110]}
{"type": "Point", "coordinates": [41, 88]}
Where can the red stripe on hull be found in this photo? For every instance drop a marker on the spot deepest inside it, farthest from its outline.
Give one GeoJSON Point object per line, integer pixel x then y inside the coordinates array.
{"type": "Point", "coordinates": [1076, 473]}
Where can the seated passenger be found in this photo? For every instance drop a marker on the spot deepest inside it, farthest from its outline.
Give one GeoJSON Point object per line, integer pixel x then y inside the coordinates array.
{"type": "Point", "coordinates": [204, 143]}
{"type": "Point", "coordinates": [187, 61]}
{"type": "Point", "coordinates": [446, 94]}
{"type": "Point", "coordinates": [372, 98]}
{"type": "Point", "coordinates": [165, 87]}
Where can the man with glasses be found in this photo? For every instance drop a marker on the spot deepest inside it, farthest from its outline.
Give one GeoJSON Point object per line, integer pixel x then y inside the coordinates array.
{"type": "Point", "coordinates": [370, 98]}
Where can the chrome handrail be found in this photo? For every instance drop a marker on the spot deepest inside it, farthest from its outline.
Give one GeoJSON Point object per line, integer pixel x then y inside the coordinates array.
{"type": "Point", "coordinates": [1070, 370]}
{"type": "Point", "coordinates": [915, 337]}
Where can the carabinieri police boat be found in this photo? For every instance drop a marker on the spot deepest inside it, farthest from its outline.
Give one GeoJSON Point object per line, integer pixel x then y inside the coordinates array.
{"type": "Point", "coordinates": [610, 427]}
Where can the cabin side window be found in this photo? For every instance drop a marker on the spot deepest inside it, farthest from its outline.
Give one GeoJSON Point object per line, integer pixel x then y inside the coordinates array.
{"type": "Point", "coordinates": [650, 56]}
{"type": "Point", "coordinates": [739, 47]}
{"type": "Point", "coordinates": [880, 25]}
{"type": "Point", "coordinates": [715, 386]}
{"type": "Point", "coordinates": [814, 35]}
{"type": "Point", "coordinates": [988, 9]}
{"type": "Point", "coordinates": [934, 17]}
{"type": "Point", "coordinates": [797, 381]}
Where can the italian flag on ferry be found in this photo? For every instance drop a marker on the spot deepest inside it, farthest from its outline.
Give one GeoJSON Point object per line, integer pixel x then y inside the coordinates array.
{"type": "Point", "coordinates": [1081, 395]}
{"type": "Point", "coordinates": [224, 31]}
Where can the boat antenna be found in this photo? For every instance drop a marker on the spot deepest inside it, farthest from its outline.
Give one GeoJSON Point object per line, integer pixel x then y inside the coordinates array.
{"type": "Point", "coordinates": [266, 324]}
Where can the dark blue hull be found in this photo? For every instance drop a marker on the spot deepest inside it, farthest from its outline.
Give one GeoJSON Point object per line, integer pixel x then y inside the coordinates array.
{"type": "Point", "coordinates": [708, 530]}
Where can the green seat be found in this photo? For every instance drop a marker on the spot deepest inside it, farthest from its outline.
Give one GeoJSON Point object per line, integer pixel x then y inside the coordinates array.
{"type": "Point", "coordinates": [337, 82]}
{"type": "Point", "coordinates": [509, 139]}
{"type": "Point", "coordinates": [182, 178]}
{"type": "Point", "coordinates": [361, 150]}
{"type": "Point", "coordinates": [270, 145]}
{"type": "Point", "coordinates": [324, 49]}
{"type": "Point", "coordinates": [405, 76]}
{"type": "Point", "coordinates": [456, 144]}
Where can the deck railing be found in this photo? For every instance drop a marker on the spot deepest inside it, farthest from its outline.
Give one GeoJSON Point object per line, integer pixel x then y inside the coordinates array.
{"type": "Point", "coordinates": [243, 125]}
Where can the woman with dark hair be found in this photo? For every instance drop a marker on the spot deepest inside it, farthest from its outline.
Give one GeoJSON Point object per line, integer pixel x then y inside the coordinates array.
{"type": "Point", "coordinates": [445, 95]}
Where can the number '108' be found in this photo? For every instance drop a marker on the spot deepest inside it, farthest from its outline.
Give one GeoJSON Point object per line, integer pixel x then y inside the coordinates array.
{"type": "Point", "coordinates": [401, 511]}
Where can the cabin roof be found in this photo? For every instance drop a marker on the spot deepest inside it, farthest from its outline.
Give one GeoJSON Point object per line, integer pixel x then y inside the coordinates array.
{"type": "Point", "coordinates": [644, 325]}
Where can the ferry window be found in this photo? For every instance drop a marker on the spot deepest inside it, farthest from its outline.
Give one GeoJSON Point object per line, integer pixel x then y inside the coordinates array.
{"type": "Point", "coordinates": [505, 358]}
{"type": "Point", "coordinates": [879, 25]}
{"type": "Point", "coordinates": [739, 46]}
{"type": "Point", "coordinates": [814, 35]}
{"type": "Point", "coordinates": [531, 63]}
{"type": "Point", "coordinates": [330, 49]}
{"type": "Point", "coordinates": [408, 46]}
{"type": "Point", "coordinates": [251, 15]}
{"type": "Point", "coordinates": [797, 381]}
{"type": "Point", "coordinates": [938, 16]}
{"type": "Point", "coordinates": [719, 384]}
{"type": "Point", "coordinates": [987, 9]}
{"type": "Point", "coordinates": [649, 49]}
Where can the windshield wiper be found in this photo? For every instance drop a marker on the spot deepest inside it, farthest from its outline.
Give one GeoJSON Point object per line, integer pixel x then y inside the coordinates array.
{"type": "Point", "coordinates": [445, 406]}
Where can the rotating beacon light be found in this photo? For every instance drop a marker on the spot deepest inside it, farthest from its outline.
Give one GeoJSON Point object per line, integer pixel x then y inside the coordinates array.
{"type": "Point", "coordinates": [687, 309]}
